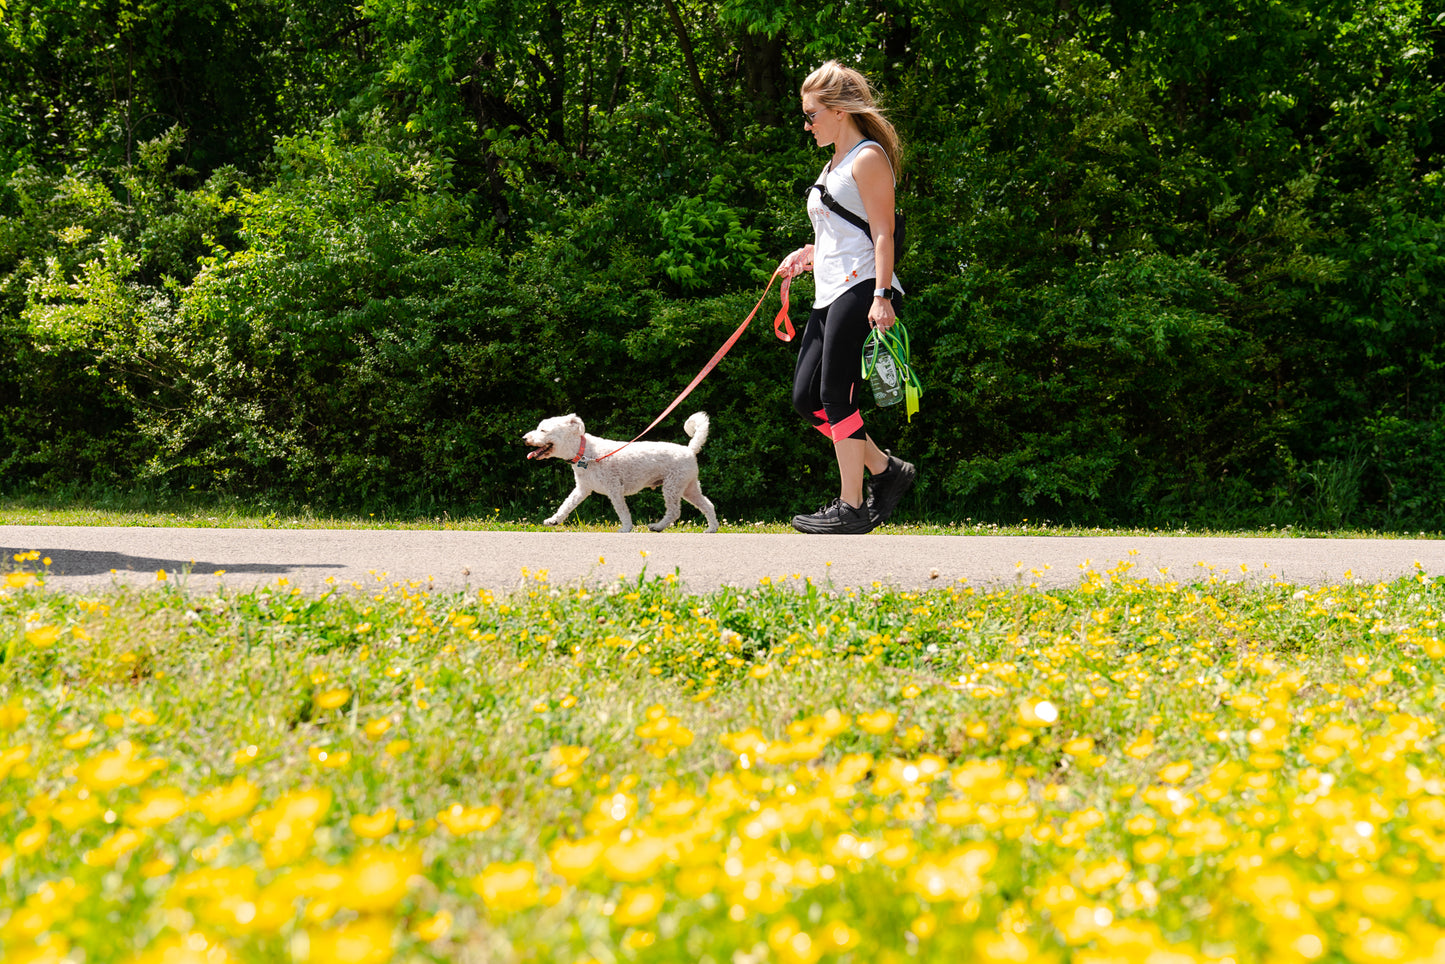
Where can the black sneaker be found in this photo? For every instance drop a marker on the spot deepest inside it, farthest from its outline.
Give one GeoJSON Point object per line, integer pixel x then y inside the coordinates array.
{"type": "Point", "coordinates": [886, 488]}
{"type": "Point", "coordinates": [835, 518]}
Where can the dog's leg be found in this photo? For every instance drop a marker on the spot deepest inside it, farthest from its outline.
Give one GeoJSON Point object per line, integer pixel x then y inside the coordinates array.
{"type": "Point", "coordinates": [573, 500]}
{"type": "Point", "coordinates": [693, 494]}
{"type": "Point", "coordinates": [672, 502]}
{"type": "Point", "coordinates": [624, 515]}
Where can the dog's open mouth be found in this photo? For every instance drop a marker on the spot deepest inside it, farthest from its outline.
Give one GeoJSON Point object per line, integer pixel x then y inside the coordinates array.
{"type": "Point", "coordinates": [541, 451]}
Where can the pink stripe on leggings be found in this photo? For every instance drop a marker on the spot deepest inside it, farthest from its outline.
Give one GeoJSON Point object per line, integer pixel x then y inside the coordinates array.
{"type": "Point", "coordinates": [847, 427]}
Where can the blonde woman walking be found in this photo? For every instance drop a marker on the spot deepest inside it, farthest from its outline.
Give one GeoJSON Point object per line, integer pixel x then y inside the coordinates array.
{"type": "Point", "coordinates": [855, 290]}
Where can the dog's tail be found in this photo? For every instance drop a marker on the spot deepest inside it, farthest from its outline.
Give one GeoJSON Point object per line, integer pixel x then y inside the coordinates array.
{"type": "Point", "coordinates": [696, 429]}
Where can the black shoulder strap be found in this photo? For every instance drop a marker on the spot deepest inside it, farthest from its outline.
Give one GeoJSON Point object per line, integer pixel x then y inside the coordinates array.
{"type": "Point", "coordinates": [836, 207]}
{"type": "Point", "coordinates": [833, 205]}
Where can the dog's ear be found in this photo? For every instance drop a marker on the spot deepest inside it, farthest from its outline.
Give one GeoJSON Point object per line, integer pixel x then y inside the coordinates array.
{"type": "Point", "coordinates": [573, 419]}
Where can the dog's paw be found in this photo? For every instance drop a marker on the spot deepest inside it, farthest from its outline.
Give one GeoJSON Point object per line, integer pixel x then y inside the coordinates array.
{"type": "Point", "coordinates": [656, 526]}
{"type": "Point", "coordinates": [554, 520]}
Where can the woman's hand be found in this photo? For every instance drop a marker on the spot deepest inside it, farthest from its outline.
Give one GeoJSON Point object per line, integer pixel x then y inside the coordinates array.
{"type": "Point", "coordinates": [796, 263]}
{"type": "Point", "coordinates": [881, 315]}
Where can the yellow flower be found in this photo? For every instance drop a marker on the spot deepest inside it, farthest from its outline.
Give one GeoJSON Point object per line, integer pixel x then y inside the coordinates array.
{"type": "Point", "coordinates": [838, 936]}
{"type": "Point", "coordinates": [117, 768]}
{"type": "Point", "coordinates": [333, 699]}
{"type": "Point", "coordinates": [638, 905]}
{"type": "Point", "coordinates": [956, 876]}
{"type": "Point", "coordinates": [75, 812]}
{"type": "Point", "coordinates": [33, 837]}
{"type": "Point", "coordinates": [117, 845]}
{"type": "Point", "coordinates": [191, 948]}
{"type": "Point", "coordinates": [42, 637]}
{"type": "Point", "coordinates": [1142, 746]}
{"type": "Point", "coordinates": [1151, 850]}
{"type": "Point", "coordinates": [12, 758]}
{"type": "Point", "coordinates": [378, 878]}
{"type": "Point", "coordinates": [330, 759]}
{"type": "Point", "coordinates": [223, 804]}
{"type": "Point", "coordinates": [157, 807]}
{"type": "Point", "coordinates": [374, 826]}
{"type": "Point", "coordinates": [792, 945]}
{"type": "Point", "coordinates": [1141, 825]}
{"type": "Point", "coordinates": [1038, 714]}
{"type": "Point", "coordinates": [375, 728]}
{"type": "Point", "coordinates": [368, 940]}
{"type": "Point", "coordinates": [434, 928]}
{"type": "Point", "coordinates": [1176, 772]}
{"type": "Point", "coordinates": [12, 714]}
{"type": "Point", "coordinates": [634, 861]}
{"type": "Point", "coordinates": [158, 867]}
{"type": "Point", "coordinates": [285, 829]}
{"type": "Point", "coordinates": [696, 881]}
{"type": "Point", "coordinates": [574, 861]}
{"type": "Point", "coordinates": [1380, 897]}
{"type": "Point", "coordinates": [462, 820]}
{"type": "Point", "coordinates": [877, 723]}
{"type": "Point", "coordinates": [567, 756]}
{"type": "Point", "coordinates": [507, 887]}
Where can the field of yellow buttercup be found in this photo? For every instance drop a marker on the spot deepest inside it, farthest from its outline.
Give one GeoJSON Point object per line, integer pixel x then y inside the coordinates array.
{"type": "Point", "coordinates": [1134, 769]}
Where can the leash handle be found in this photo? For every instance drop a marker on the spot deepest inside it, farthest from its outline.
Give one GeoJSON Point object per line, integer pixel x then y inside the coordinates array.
{"type": "Point", "coordinates": [782, 325]}
{"type": "Point", "coordinates": [718, 356]}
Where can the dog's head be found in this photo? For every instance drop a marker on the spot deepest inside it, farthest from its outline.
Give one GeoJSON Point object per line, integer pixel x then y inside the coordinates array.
{"type": "Point", "coordinates": [555, 438]}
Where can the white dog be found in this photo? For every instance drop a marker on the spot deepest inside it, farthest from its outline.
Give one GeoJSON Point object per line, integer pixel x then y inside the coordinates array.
{"type": "Point", "coordinates": [641, 465]}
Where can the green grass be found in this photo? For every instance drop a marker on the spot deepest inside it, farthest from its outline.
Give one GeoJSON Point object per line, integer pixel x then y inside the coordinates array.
{"type": "Point", "coordinates": [632, 772]}
{"type": "Point", "coordinates": [593, 517]}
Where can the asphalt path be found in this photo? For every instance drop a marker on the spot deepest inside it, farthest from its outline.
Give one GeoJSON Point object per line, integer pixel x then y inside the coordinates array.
{"type": "Point", "coordinates": [88, 559]}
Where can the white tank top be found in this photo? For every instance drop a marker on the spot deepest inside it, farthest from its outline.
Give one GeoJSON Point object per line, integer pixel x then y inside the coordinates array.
{"type": "Point", "coordinates": [842, 252]}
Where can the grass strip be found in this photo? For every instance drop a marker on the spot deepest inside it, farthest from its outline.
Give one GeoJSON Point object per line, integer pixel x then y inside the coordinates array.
{"type": "Point", "coordinates": [1121, 770]}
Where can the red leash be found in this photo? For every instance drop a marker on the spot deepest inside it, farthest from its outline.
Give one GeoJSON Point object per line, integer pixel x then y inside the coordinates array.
{"type": "Point", "coordinates": [782, 327]}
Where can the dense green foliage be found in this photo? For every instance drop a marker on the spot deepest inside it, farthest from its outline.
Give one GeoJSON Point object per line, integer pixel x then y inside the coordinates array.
{"type": "Point", "coordinates": [1169, 263]}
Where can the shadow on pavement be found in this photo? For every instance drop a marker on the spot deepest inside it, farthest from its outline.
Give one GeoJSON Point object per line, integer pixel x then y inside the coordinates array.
{"type": "Point", "coordinates": [85, 562]}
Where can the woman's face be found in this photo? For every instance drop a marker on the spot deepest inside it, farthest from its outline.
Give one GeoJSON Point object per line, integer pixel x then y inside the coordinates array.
{"type": "Point", "coordinates": [822, 121]}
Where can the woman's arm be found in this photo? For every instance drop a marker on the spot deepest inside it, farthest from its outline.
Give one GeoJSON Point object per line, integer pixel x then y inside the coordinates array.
{"type": "Point", "coordinates": [874, 176]}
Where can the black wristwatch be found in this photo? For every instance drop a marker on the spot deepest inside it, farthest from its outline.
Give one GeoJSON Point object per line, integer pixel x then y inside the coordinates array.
{"type": "Point", "coordinates": [883, 293]}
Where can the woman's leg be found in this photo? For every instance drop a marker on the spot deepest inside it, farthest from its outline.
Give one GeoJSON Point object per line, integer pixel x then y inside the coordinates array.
{"type": "Point", "coordinates": [827, 387]}
{"type": "Point", "coordinates": [841, 389]}
{"type": "Point", "coordinates": [854, 455]}
{"type": "Point", "coordinates": [808, 373]}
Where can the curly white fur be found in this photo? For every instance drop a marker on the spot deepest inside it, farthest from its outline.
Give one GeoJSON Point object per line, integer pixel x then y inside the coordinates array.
{"type": "Point", "coordinates": [641, 465]}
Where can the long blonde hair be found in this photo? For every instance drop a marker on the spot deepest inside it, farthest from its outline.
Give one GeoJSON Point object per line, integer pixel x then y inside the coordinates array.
{"type": "Point", "coordinates": [842, 88]}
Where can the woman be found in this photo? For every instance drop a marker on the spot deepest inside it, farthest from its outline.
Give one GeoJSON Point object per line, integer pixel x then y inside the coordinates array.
{"type": "Point", "coordinates": [840, 110]}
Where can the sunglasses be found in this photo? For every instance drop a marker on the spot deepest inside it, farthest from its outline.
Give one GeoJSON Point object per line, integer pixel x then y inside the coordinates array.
{"type": "Point", "coordinates": [808, 118]}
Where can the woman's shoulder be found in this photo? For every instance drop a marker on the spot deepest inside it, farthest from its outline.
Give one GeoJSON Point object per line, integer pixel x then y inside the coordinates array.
{"type": "Point", "coordinates": [871, 158]}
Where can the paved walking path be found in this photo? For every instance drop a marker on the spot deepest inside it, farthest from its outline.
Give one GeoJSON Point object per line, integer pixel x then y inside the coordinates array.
{"type": "Point", "coordinates": [86, 559]}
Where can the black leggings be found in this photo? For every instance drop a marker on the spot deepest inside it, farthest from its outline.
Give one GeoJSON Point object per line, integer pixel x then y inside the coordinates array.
{"type": "Point", "coordinates": [828, 378]}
